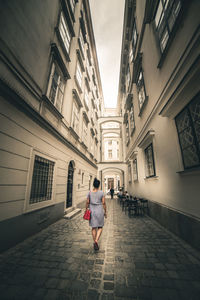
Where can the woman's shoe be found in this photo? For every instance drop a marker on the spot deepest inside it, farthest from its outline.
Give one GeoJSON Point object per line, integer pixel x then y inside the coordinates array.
{"type": "Point", "coordinates": [96, 246]}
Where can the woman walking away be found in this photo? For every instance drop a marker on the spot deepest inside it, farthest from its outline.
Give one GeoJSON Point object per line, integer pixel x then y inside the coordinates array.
{"type": "Point", "coordinates": [96, 202]}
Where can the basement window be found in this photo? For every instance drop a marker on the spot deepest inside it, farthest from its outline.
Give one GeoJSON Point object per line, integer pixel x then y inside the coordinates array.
{"type": "Point", "coordinates": [188, 128]}
{"type": "Point", "coordinates": [42, 180]}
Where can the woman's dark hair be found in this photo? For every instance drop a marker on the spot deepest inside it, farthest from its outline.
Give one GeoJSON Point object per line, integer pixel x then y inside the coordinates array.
{"type": "Point", "coordinates": [96, 183]}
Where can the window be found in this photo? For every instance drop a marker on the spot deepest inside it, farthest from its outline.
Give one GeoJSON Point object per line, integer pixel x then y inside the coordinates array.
{"type": "Point", "coordinates": [92, 144]}
{"type": "Point", "coordinates": [128, 77]}
{"type": "Point", "coordinates": [110, 143]}
{"type": "Point", "coordinates": [75, 117]}
{"type": "Point", "coordinates": [94, 78]}
{"type": "Point", "coordinates": [109, 153]}
{"type": "Point", "coordinates": [79, 75]}
{"type": "Point", "coordinates": [133, 42]}
{"type": "Point", "coordinates": [82, 45]}
{"type": "Point", "coordinates": [132, 121]}
{"type": "Point", "coordinates": [109, 125]}
{"type": "Point", "coordinates": [64, 32]}
{"type": "Point", "coordinates": [117, 153]}
{"type": "Point", "coordinates": [97, 94]}
{"type": "Point", "coordinates": [90, 181]}
{"type": "Point", "coordinates": [86, 97]}
{"type": "Point", "coordinates": [56, 87]}
{"type": "Point", "coordinates": [141, 89]}
{"type": "Point", "coordinates": [82, 181]}
{"type": "Point", "coordinates": [149, 161]}
{"type": "Point", "coordinates": [85, 130]}
{"type": "Point", "coordinates": [127, 130]}
{"type": "Point", "coordinates": [188, 127]}
{"type": "Point", "coordinates": [42, 181]}
{"type": "Point", "coordinates": [135, 171]}
{"type": "Point", "coordinates": [88, 64]}
{"type": "Point", "coordinates": [165, 18]}
{"type": "Point", "coordinates": [72, 3]}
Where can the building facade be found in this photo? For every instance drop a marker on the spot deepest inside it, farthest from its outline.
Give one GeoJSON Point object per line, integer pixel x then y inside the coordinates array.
{"type": "Point", "coordinates": [50, 99]}
{"type": "Point", "coordinates": [159, 98]}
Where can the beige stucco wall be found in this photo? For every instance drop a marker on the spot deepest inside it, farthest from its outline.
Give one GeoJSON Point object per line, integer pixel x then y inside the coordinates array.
{"type": "Point", "coordinates": [176, 80]}
{"type": "Point", "coordinates": [20, 137]}
{"type": "Point", "coordinates": [27, 32]}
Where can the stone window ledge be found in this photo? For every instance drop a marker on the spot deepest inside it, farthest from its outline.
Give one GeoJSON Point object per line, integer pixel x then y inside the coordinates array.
{"type": "Point", "coordinates": [151, 178]}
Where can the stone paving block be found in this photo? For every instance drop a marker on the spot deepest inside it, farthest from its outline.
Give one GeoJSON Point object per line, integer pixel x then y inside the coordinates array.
{"type": "Point", "coordinates": [95, 283]}
{"type": "Point", "coordinates": [93, 295]}
{"type": "Point", "coordinates": [79, 286]}
{"type": "Point", "coordinates": [39, 294]}
{"type": "Point", "coordinates": [107, 296]}
{"type": "Point", "coordinates": [141, 265]}
{"type": "Point", "coordinates": [68, 275]}
{"type": "Point", "coordinates": [84, 276]}
{"type": "Point", "coordinates": [52, 283]}
{"type": "Point", "coordinates": [96, 274]}
{"type": "Point", "coordinates": [99, 261]}
{"type": "Point", "coordinates": [54, 273]}
{"type": "Point", "coordinates": [161, 274]}
{"type": "Point", "coordinates": [108, 277]}
{"type": "Point", "coordinates": [127, 292]}
{"type": "Point", "coordinates": [120, 279]}
{"type": "Point", "coordinates": [132, 280]}
{"type": "Point", "coordinates": [108, 285]}
{"type": "Point", "coordinates": [52, 295]}
{"type": "Point", "coordinates": [63, 284]}
{"type": "Point", "coordinates": [173, 274]}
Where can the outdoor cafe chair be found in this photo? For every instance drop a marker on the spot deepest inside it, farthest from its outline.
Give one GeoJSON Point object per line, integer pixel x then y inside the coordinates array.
{"type": "Point", "coordinates": [133, 206]}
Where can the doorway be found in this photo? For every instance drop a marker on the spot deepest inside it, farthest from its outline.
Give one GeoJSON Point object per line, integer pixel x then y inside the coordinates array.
{"type": "Point", "coordinates": [70, 184]}
{"type": "Point", "coordinates": [110, 183]}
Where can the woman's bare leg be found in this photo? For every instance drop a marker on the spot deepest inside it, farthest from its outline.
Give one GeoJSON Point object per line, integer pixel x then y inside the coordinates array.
{"type": "Point", "coordinates": [99, 231]}
{"type": "Point", "coordinates": [94, 233]}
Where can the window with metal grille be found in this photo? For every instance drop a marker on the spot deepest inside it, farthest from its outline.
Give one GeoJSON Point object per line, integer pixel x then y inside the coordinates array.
{"type": "Point", "coordinates": [165, 18]}
{"type": "Point", "coordinates": [141, 89]}
{"type": "Point", "coordinates": [149, 160]}
{"type": "Point", "coordinates": [188, 127]}
{"type": "Point", "coordinates": [42, 181]}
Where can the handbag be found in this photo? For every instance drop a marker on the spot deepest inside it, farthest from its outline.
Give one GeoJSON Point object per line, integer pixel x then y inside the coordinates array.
{"type": "Point", "coordinates": [87, 215]}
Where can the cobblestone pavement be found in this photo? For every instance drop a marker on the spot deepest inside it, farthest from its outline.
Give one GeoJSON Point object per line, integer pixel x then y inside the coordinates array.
{"type": "Point", "coordinates": [138, 259]}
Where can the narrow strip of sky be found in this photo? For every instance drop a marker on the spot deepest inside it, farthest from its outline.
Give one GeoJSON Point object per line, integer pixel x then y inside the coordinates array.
{"type": "Point", "coordinates": [107, 18]}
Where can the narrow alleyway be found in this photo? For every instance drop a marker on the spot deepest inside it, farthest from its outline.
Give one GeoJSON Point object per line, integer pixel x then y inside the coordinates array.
{"type": "Point", "coordinates": [138, 259]}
